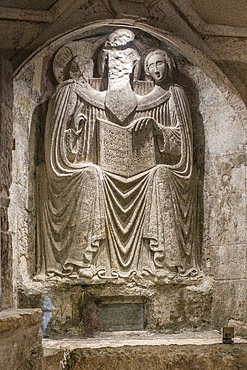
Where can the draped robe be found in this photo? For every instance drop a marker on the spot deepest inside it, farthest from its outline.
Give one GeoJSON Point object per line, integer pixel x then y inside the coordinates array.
{"type": "Point", "coordinates": [114, 225]}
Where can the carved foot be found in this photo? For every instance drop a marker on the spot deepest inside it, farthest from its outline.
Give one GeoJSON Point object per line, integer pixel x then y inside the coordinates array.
{"type": "Point", "coordinates": [166, 273]}
{"type": "Point", "coordinates": [192, 272]}
{"type": "Point", "coordinates": [86, 273]}
{"type": "Point", "coordinates": [40, 277]}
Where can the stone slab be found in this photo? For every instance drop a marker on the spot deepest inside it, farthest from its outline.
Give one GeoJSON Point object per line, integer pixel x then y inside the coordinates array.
{"type": "Point", "coordinates": [13, 318]}
{"type": "Point", "coordinates": [125, 351]}
{"type": "Point", "coordinates": [121, 316]}
{"type": "Point", "coordinates": [230, 304]}
{"type": "Point", "coordinates": [20, 340]}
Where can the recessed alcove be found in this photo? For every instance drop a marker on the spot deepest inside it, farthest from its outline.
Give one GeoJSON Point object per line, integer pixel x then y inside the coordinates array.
{"type": "Point", "coordinates": [164, 302]}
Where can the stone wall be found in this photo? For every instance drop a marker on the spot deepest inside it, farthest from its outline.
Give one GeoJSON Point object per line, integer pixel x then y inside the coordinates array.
{"type": "Point", "coordinates": [6, 143]}
{"type": "Point", "coordinates": [20, 335]}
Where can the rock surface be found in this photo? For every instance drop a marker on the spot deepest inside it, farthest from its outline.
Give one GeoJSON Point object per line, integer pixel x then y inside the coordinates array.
{"type": "Point", "coordinates": [20, 340]}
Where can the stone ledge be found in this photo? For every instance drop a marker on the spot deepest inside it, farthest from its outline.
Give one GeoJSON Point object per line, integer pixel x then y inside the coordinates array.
{"type": "Point", "coordinates": [123, 351]}
{"type": "Point", "coordinates": [21, 339]}
{"type": "Point", "coordinates": [184, 357]}
{"type": "Point", "coordinates": [11, 319]}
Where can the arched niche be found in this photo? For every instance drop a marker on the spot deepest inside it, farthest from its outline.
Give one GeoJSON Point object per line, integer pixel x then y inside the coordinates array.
{"type": "Point", "coordinates": [219, 140]}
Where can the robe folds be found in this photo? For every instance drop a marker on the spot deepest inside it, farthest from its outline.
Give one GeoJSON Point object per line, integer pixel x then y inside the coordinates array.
{"type": "Point", "coordinates": [93, 219]}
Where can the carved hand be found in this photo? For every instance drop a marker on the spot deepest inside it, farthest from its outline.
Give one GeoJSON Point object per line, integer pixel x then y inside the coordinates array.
{"type": "Point", "coordinates": [78, 123]}
{"type": "Point", "coordinates": [141, 123]}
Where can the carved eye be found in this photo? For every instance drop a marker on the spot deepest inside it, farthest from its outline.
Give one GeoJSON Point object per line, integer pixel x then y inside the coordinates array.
{"type": "Point", "coordinates": [160, 63]}
{"type": "Point", "coordinates": [151, 65]}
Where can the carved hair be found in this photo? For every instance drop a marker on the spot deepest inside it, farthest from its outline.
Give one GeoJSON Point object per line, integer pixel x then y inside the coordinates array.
{"type": "Point", "coordinates": [167, 58]}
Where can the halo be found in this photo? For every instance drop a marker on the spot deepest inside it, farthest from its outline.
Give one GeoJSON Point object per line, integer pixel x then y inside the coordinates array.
{"type": "Point", "coordinates": [66, 53]}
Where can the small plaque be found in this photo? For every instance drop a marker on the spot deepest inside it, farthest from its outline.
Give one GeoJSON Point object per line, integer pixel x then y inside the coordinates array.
{"type": "Point", "coordinates": [121, 316]}
{"type": "Point", "coordinates": [228, 334]}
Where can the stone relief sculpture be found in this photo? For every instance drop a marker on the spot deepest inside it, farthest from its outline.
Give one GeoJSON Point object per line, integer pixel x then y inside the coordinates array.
{"type": "Point", "coordinates": [117, 191]}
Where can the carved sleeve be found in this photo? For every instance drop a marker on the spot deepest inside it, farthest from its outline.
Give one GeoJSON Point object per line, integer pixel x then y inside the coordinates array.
{"type": "Point", "coordinates": [170, 142]}
{"type": "Point", "coordinates": [74, 130]}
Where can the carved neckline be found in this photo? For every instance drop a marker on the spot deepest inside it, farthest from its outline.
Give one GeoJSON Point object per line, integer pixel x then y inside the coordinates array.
{"type": "Point", "coordinates": [97, 98]}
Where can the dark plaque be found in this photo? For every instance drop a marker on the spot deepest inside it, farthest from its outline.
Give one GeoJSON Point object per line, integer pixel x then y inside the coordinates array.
{"type": "Point", "coordinates": [121, 316]}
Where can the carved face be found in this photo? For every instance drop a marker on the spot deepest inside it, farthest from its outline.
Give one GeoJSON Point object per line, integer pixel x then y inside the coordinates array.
{"type": "Point", "coordinates": [157, 67]}
{"type": "Point", "coordinates": [81, 66]}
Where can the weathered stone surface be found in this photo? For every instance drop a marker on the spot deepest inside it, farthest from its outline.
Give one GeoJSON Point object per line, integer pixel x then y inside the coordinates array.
{"type": "Point", "coordinates": [6, 142]}
{"type": "Point", "coordinates": [53, 359]}
{"type": "Point", "coordinates": [20, 340]}
{"type": "Point", "coordinates": [211, 357]}
{"type": "Point", "coordinates": [230, 303]}
{"type": "Point", "coordinates": [192, 351]}
{"type": "Point", "coordinates": [167, 308]}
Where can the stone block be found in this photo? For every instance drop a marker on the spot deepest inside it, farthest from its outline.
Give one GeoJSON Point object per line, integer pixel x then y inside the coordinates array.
{"type": "Point", "coordinates": [159, 308]}
{"type": "Point", "coordinates": [6, 82]}
{"type": "Point", "coordinates": [229, 261]}
{"type": "Point", "coordinates": [6, 270]}
{"type": "Point", "coordinates": [6, 122]}
{"type": "Point", "coordinates": [229, 303]}
{"type": "Point", "coordinates": [175, 357]}
{"type": "Point", "coordinates": [4, 225]}
{"type": "Point", "coordinates": [177, 307]}
{"type": "Point", "coordinates": [53, 359]}
{"type": "Point", "coordinates": [20, 340]}
{"type": "Point", "coordinates": [225, 200]}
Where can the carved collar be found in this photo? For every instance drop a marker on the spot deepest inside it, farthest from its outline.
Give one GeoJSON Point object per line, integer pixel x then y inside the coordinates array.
{"type": "Point", "coordinates": [97, 98]}
{"type": "Point", "coordinates": [156, 97]}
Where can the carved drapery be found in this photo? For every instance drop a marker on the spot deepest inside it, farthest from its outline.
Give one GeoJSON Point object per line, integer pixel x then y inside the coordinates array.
{"type": "Point", "coordinates": [117, 191]}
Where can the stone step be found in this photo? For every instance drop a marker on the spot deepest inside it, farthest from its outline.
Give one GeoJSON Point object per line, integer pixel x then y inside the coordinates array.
{"type": "Point", "coordinates": [134, 351]}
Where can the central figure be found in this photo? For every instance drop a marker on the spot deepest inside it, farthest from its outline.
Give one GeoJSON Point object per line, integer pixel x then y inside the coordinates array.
{"type": "Point", "coordinates": [117, 187]}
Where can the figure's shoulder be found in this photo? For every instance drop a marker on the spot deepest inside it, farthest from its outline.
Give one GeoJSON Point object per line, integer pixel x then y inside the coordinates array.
{"type": "Point", "coordinates": [177, 92]}
{"type": "Point", "coordinates": [156, 97]}
{"type": "Point", "coordinates": [65, 85]}
{"type": "Point", "coordinates": [177, 88]}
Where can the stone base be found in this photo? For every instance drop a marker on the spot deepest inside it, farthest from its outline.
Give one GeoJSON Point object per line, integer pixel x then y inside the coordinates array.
{"type": "Point", "coordinates": [20, 340]}
{"type": "Point", "coordinates": [80, 310]}
{"type": "Point", "coordinates": [122, 351]}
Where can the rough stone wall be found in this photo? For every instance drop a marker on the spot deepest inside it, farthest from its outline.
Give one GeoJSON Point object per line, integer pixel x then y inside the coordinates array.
{"type": "Point", "coordinates": [6, 125]}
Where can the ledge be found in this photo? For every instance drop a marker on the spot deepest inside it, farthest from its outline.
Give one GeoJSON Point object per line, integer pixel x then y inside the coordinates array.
{"type": "Point", "coordinates": [126, 350]}
{"type": "Point", "coordinates": [12, 319]}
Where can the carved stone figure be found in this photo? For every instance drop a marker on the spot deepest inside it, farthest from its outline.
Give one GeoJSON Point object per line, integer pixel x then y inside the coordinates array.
{"type": "Point", "coordinates": [117, 191]}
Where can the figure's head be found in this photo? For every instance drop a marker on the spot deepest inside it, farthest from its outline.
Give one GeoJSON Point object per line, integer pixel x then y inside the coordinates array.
{"type": "Point", "coordinates": [80, 66]}
{"type": "Point", "coordinates": [158, 64]}
{"type": "Point", "coordinates": [120, 37]}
